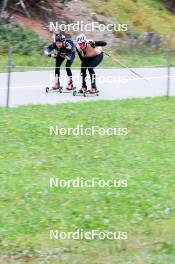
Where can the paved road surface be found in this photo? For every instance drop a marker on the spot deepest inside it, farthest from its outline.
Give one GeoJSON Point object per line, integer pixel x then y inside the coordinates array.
{"type": "Point", "coordinates": [29, 87]}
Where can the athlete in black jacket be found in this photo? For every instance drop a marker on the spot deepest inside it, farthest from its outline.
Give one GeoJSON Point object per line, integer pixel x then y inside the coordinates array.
{"type": "Point", "coordinates": [91, 54]}
{"type": "Point", "coordinates": [65, 49]}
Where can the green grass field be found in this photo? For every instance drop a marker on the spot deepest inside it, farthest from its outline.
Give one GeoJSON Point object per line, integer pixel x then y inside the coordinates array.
{"type": "Point", "coordinates": [29, 156]}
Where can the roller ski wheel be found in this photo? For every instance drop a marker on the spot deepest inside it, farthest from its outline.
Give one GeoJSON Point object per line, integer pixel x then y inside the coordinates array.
{"type": "Point", "coordinates": [97, 93]}
{"type": "Point", "coordinates": [83, 91]}
{"type": "Point", "coordinates": [56, 87]}
{"type": "Point", "coordinates": [70, 90]}
{"type": "Point", "coordinates": [60, 89]}
{"type": "Point", "coordinates": [80, 92]}
{"type": "Point", "coordinates": [74, 92]}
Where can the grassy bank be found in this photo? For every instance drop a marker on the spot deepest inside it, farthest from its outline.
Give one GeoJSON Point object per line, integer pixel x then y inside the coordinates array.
{"type": "Point", "coordinates": [144, 209]}
{"type": "Point", "coordinates": [140, 15]}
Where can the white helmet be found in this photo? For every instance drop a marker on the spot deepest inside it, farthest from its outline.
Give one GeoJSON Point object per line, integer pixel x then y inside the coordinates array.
{"type": "Point", "coordinates": [81, 38]}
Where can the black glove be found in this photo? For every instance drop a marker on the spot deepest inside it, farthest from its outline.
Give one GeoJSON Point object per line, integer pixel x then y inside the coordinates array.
{"type": "Point", "coordinates": [92, 43]}
{"type": "Point", "coordinates": [53, 55]}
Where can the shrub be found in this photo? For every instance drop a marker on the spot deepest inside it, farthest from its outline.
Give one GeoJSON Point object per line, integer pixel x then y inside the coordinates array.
{"type": "Point", "coordinates": [23, 41]}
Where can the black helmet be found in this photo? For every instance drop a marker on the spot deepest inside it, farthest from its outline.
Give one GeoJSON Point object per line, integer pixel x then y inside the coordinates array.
{"type": "Point", "coordinates": [60, 38]}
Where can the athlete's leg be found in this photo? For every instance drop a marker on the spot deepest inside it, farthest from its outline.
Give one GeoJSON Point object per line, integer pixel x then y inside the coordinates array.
{"type": "Point", "coordinates": [91, 65]}
{"type": "Point", "coordinates": [95, 61]}
{"type": "Point", "coordinates": [68, 66]}
{"type": "Point", "coordinates": [59, 61]}
{"type": "Point", "coordinates": [93, 77]}
{"type": "Point", "coordinates": [69, 72]}
{"type": "Point", "coordinates": [83, 74]}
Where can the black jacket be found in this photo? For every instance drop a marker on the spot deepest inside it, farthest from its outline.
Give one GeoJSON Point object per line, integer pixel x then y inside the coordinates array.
{"type": "Point", "coordinates": [67, 51]}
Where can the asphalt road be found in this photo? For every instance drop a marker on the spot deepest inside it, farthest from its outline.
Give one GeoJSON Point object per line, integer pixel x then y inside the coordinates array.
{"type": "Point", "coordinates": [29, 87]}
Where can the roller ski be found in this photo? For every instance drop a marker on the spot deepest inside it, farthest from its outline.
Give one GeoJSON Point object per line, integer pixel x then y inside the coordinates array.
{"type": "Point", "coordinates": [84, 91]}
{"type": "Point", "coordinates": [56, 87]}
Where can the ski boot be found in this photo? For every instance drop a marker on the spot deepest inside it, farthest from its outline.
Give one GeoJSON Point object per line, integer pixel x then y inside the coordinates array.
{"type": "Point", "coordinates": [83, 90]}
{"type": "Point", "coordinates": [93, 90]}
{"type": "Point", "coordinates": [70, 86]}
{"type": "Point", "coordinates": [56, 86]}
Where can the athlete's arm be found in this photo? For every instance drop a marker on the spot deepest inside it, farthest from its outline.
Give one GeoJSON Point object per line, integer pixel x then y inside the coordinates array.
{"type": "Point", "coordinates": [68, 46]}
{"type": "Point", "coordinates": [97, 43]}
{"type": "Point", "coordinates": [70, 50]}
{"type": "Point", "coordinates": [79, 54]}
{"type": "Point", "coordinates": [49, 49]}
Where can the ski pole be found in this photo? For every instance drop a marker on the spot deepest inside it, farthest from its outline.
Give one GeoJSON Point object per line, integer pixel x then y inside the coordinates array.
{"type": "Point", "coordinates": [125, 66]}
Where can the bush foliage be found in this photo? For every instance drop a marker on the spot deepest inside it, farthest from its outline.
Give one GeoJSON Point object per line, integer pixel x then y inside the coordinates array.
{"type": "Point", "coordinates": [23, 41]}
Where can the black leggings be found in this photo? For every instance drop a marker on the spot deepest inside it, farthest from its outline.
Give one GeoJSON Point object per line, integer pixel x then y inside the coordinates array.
{"type": "Point", "coordinates": [90, 64]}
{"type": "Point", "coordinates": [59, 61]}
